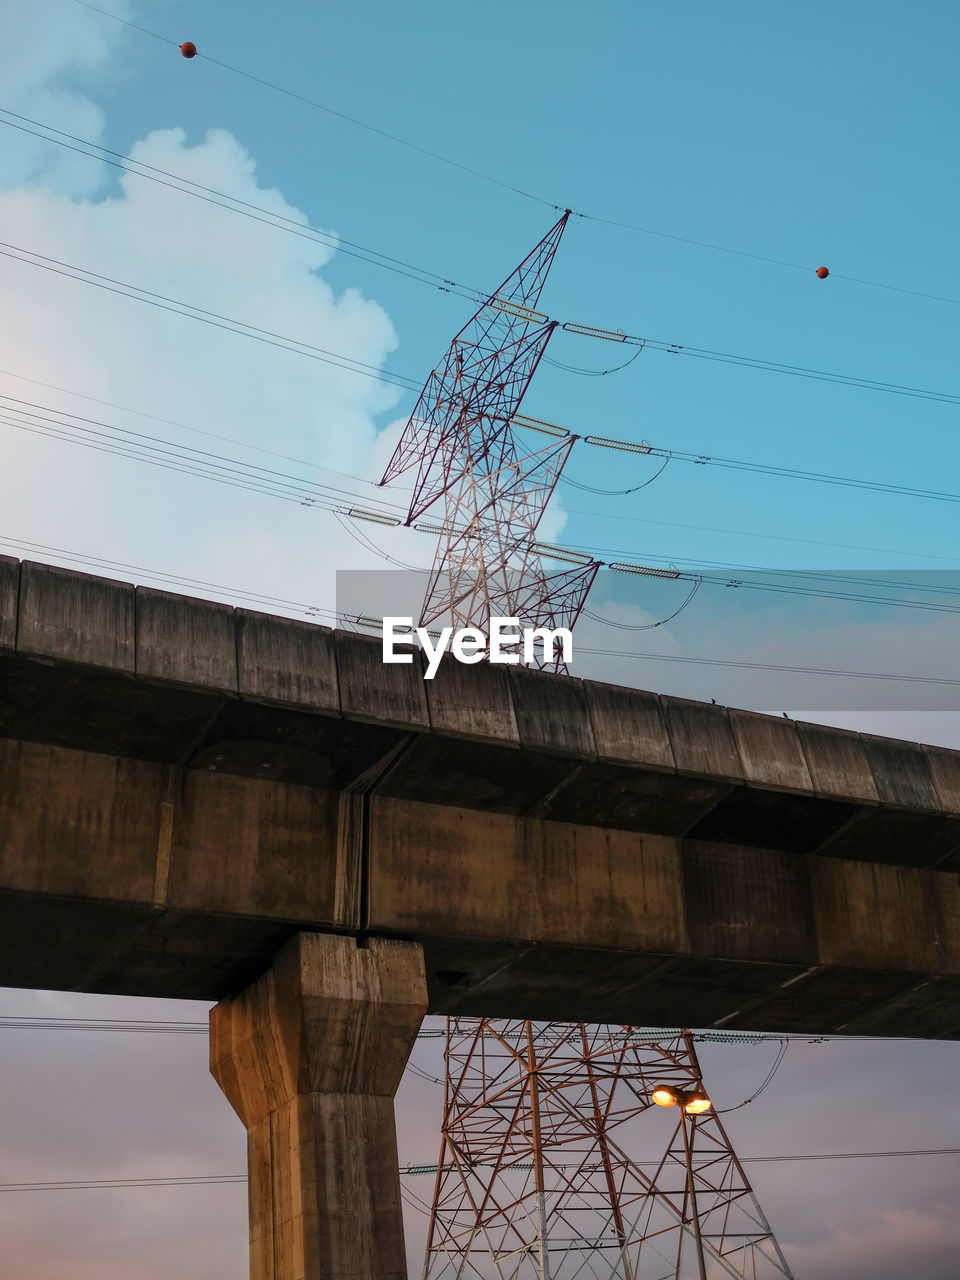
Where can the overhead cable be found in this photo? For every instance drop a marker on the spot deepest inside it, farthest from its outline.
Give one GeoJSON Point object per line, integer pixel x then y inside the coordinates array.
{"type": "Point", "coordinates": [233, 204]}
{"type": "Point", "coordinates": [221, 1179]}
{"type": "Point", "coordinates": [176, 307]}
{"type": "Point", "coordinates": [104, 438]}
{"type": "Point", "coordinates": [312, 610]}
{"type": "Point", "coordinates": [519, 420]}
{"type": "Point", "coordinates": [125, 289]}
{"type": "Point", "coordinates": [500, 182]}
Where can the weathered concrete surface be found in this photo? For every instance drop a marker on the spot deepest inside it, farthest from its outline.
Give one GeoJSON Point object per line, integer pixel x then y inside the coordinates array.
{"type": "Point", "coordinates": [184, 786]}
{"type": "Point", "coordinates": [310, 1058]}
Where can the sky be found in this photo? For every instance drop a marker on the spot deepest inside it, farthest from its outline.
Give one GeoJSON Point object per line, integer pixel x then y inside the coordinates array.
{"type": "Point", "coordinates": [738, 149]}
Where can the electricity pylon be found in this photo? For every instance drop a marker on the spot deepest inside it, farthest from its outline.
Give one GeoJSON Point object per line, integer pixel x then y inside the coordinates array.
{"type": "Point", "coordinates": [478, 388]}
{"type": "Point", "coordinates": [554, 1162]}
{"type": "Point", "coordinates": [461, 442]}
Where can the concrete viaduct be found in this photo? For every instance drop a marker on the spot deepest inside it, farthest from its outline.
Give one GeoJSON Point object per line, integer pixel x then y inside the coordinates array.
{"type": "Point", "coordinates": [207, 802]}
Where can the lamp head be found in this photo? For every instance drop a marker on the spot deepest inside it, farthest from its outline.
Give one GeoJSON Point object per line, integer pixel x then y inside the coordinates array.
{"type": "Point", "coordinates": [665, 1095]}
{"type": "Point", "coordinates": [696, 1102]}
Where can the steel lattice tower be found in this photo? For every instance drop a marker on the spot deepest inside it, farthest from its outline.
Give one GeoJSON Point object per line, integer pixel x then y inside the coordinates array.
{"type": "Point", "coordinates": [534, 1176]}
{"type": "Point", "coordinates": [461, 443]}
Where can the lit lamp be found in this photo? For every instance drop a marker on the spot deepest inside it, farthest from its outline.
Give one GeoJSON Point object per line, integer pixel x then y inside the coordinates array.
{"type": "Point", "coordinates": [692, 1102]}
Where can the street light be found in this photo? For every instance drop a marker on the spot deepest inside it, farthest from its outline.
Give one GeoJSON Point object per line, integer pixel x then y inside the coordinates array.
{"type": "Point", "coordinates": [692, 1102]}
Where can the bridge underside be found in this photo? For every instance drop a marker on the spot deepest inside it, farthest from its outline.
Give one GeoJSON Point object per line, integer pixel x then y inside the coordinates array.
{"type": "Point", "coordinates": [184, 787]}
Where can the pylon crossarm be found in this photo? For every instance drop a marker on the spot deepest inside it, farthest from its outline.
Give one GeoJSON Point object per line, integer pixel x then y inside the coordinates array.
{"type": "Point", "coordinates": [491, 342]}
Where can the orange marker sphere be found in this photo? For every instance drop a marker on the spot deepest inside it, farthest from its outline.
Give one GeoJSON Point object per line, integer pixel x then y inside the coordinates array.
{"type": "Point", "coordinates": [188, 49]}
{"type": "Point", "coordinates": [822, 272]}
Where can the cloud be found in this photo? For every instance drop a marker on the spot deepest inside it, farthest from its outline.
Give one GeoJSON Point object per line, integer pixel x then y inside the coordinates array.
{"type": "Point", "coordinates": [80, 1105]}
{"type": "Point", "coordinates": [47, 64]}
{"type": "Point", "coordinates": [86, 339]}
{"type": "Point", "coordinates": [96, 1105]}
{"type": "Point", "coordinates": [62, 332]}
{"type": "Point", "coordinates": [799, 632]}
{"type": "Point", "coordinates": [888, 1244]}
{"type": "Point", "coordinates": [88, 1106]}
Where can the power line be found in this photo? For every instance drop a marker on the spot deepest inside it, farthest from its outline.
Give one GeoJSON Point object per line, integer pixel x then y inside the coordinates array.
{"type": "Point", "coordinates": [155, 451]}
{"type": "Point", "coordinates": [123, 1184]}
{"type": "Point", "coordinates": [221, 1179]}
{"type": "Point", "coordinates": [249, 483]}
{"type": "Point", "coordinates": [182, 426]}
{"type": "Point", "coordinates": [767, 1079]}
{"type": "Point", "coordinates": [771, 537]}
{"type": "Point", "coordinates": [648, 626]}
{"type": "Point", "coordinates": [99, 564]}
{"type": "Point", "coordinates": [436, 281]}
{"type": "Point", "coordinates": [499, 182]}
{"type": "Point", "coordinates": [233, 204]}
{"type": "Point", "coordinates": [776, 366]}
{"type": "Point", "coordinates": [332, 111]}
{"type": "Point", "coordinates": [38, 414]}
{"type": "Point", "coordinates": [230, 324]}
{"type": "Point", "coordinates": [176, 307]}
{"type": "Point", "coordinates": [420, 1169]}
{"type": "Point", "coordinates": [600, 515]}
{"type": "Point", "coordinates": [573, 511]}
{"type": "Point", "coordinates": [137, 1026]}
{"type": "Point", "coordinates": [313, 610]}
{"type": "Point", "coordinates": [365, 541]}
{"type": "Point", "coordinates": [204, 466]}
{"type": "Point", "coordinates": [771, 666]}
{"type": "Point", "coordinates": [699, 564]}
{"type": "Point", "coordinates": [771, 469]}
{"type": "Point", "coordinates": [642, 1035]}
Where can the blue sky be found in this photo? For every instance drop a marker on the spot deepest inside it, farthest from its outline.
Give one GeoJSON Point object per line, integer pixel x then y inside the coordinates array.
{"type": "Point", "coordinates": [819, 134]}
{"type": "Point", "coordinates": [804, 137]}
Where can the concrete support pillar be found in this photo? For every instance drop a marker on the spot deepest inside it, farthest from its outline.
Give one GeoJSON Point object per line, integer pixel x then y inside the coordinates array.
{"type": "Point", "coordinates": [310, 1058]}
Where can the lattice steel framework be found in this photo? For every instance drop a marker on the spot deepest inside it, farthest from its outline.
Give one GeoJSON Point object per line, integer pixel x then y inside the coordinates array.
{"type": "Point", "coordinates": [535, 1178]}
{"type": "Point", "coordinates": [467, 403]}
{"type": "Point", "coordinates": [462, 446]}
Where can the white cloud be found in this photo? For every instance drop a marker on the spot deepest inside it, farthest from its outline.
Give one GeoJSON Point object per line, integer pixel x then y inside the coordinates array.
{"type": "Point", "coordinates": [47, 56]}
{"type": "Point", "coordinates": [158, 1112]}
{"type": "Point", "coordinates": [92, 341]}
{"type": "Point", "coordinates": [79, 337]}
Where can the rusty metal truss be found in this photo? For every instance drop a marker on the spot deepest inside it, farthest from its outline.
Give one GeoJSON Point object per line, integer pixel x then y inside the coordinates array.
{"type": "Point", "coordinates": [460, 440]}
{"type": "Point", "coordinates": [467, 403]}
{"type": "Point", "coordinates": [555, 1165]}
{"type": "Point", "coordinates": [487, 564]}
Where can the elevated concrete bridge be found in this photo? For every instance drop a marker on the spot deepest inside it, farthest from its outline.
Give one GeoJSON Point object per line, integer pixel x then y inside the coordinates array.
{"type": "Point", "coordinates": [201, 801]}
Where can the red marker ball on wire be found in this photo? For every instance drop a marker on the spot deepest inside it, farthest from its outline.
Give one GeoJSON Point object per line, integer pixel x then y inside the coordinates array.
{"type": "Point", "coordinates": [188, 49]}
{"type": "Point", "coordinates": [822, 272]}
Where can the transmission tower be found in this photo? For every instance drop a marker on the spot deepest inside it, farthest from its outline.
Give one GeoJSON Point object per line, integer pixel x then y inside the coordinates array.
{"type": "Point", "coordinates": [461, 443]}
{"type": "Point", "coordinates": [535, 1180]}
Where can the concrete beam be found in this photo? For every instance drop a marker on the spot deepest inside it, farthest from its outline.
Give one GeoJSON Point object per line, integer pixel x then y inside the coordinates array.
{"type": "Point", "coordinates": [310, 1058]}
{"type": "Point", "coordinates": [184, 786]}
{"type": "Point", "coordinates": [184, 882]}
{"type": "Point", "coordinates": [205, 677]}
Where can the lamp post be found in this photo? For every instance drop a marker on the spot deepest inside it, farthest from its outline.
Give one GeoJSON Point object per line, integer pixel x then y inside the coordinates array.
{"type": "Point", "coordinates": [692, 1102]}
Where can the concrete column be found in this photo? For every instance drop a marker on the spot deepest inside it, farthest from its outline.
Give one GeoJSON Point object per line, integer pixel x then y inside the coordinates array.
{"type": "Point", "coordinates": [310, 1058]}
